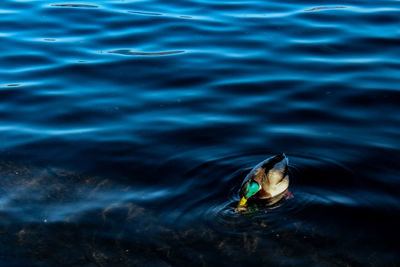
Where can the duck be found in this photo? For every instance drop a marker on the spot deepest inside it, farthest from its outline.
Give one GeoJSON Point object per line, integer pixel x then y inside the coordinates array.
{"type": "Point", "coordinates": [268, 181]}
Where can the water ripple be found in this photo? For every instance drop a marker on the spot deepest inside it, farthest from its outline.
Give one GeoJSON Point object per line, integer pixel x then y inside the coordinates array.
{"type": "Point", "coordinates": [321, 8]}
{"type": "Point", "coordinates": [221, 215]}
{"type": "Point", "coordinates": [173, 102]}
{"type": "Point", "coordinates": [75, 5]}
{"type": "Point", "coordinates": [128, 52]}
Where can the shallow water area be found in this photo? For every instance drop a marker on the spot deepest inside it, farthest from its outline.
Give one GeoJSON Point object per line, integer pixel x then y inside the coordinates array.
{"type": "Point", "coordinates": [127, 127]}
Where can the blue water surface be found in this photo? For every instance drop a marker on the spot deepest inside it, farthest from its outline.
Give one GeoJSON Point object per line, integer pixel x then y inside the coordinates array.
{"type": "Point", "coordinates": [127, 127]}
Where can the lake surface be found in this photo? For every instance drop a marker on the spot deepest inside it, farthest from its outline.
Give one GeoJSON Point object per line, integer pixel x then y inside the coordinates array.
{"type": "Point", "coordinates": [127, 127]}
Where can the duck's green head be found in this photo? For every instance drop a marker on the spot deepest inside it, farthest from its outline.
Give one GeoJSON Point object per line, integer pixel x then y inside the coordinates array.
{"type": "Point", "coordinates": [249, 189]}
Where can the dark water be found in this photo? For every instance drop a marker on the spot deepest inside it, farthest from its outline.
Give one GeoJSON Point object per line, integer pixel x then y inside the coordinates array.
{"type": "Point", "coordinates": [126, 128]}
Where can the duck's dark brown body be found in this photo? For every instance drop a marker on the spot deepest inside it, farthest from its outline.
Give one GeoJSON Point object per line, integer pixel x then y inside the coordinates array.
{"type": "Point", "coordinates": [272, 178]}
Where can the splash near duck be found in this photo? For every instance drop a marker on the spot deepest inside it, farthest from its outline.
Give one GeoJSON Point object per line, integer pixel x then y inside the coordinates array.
{"type": "Point", "coordinates": [267, 181]}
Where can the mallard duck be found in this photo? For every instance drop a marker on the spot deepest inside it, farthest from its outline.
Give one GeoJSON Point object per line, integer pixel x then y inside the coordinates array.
{"type": "Point", "coordinates": [268, 180]}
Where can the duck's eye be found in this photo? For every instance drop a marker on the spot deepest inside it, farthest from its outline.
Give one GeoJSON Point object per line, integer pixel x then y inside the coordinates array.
{"type": "Point", "coordinates": [250, 189]}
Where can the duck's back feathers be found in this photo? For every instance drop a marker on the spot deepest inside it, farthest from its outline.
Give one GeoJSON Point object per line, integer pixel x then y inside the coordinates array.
{"type": "Point", "coordinates": [272, 176]}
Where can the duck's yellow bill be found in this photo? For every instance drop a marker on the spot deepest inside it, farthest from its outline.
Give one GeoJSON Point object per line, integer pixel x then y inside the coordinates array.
{"type": "Point", "coordinates": [242, 202]}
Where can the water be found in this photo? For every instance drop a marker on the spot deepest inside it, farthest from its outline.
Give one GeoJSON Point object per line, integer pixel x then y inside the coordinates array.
{"type": "Point", "coordinates": [127, 127]}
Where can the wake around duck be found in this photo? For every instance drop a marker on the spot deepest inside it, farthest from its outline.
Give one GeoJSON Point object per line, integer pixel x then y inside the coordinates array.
{"type": "Point", "coordinates": [267, 181]}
